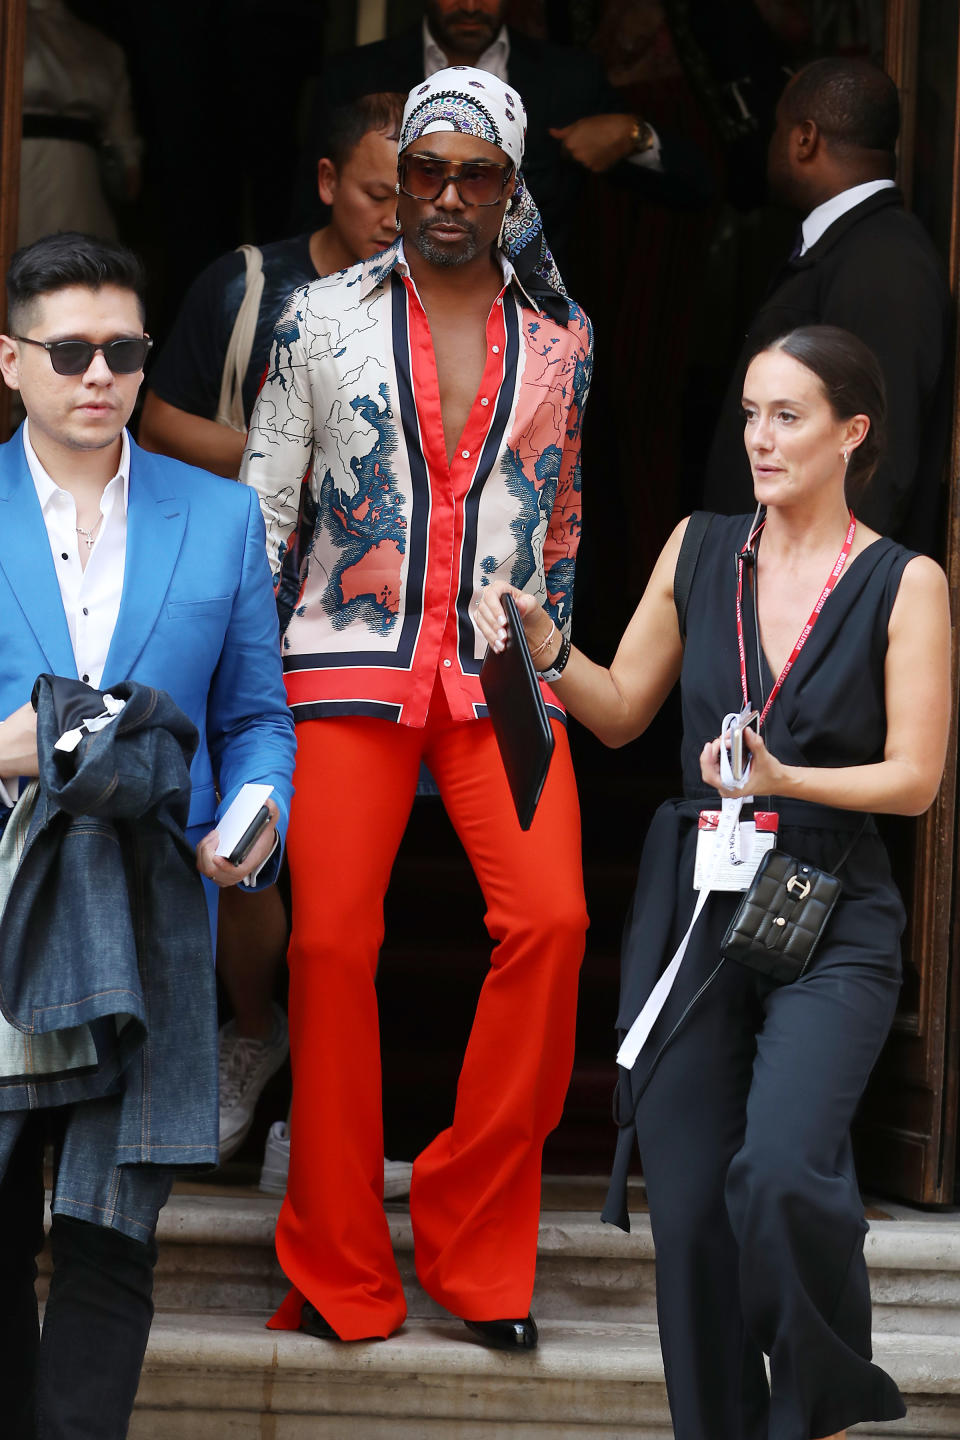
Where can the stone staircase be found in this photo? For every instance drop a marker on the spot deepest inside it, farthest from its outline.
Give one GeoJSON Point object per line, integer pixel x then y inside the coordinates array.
{"type": "Point", "coordinates": [213, 1372]}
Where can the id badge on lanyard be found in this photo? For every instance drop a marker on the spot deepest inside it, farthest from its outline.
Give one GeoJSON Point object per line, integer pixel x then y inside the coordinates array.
{"type": "Point", "coordinates": [729, 862]}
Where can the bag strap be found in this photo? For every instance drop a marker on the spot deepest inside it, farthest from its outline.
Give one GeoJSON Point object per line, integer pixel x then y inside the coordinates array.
{"type": "Point", "coordinates": [849, 850]}
{"type": "Point", "coordinates": [240, 346]}
{"type": "Point", "coordinates": [690, 547]}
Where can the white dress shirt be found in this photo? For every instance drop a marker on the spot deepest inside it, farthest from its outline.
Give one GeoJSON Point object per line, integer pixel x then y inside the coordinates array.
{"type": "Point", "coordinates": [819, 220]}
{"type": "Point", "coordinates": [494, 60]}
{"type": "Point", "coordinates": [91, 597]}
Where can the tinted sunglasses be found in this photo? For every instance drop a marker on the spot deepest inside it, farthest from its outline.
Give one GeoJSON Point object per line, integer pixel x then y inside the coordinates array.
{"type": "Point", "coordinates": [477, 182]}
{"type": "Point", "coordinates": [74, 357]}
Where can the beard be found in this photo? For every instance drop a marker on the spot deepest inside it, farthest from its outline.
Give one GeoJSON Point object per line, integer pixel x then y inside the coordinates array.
{"type": "Point", "coordinates": [471, 41]}
{"type": "Point", "coordinates": [444, 253]}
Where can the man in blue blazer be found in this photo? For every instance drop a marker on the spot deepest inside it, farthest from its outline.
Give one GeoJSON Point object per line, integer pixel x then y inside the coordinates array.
{"type": "Point", "coordinates": [115, 565]}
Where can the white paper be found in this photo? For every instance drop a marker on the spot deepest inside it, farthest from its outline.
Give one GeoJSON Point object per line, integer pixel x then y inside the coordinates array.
{"type": "Point", "coordinates": [238, 816]}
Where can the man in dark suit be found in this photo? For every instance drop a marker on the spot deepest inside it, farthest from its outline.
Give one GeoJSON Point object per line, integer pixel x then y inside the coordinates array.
{"type": "Point", "coordinates": [575, 118]}
{"type": "Point", "coordinates": [863, 263]}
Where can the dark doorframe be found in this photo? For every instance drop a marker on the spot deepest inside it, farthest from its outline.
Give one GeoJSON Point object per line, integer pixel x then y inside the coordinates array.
{"type": "Point", "coordinates": [13, 24]}
{"type": "Point", "coordinates": [907, 1139]}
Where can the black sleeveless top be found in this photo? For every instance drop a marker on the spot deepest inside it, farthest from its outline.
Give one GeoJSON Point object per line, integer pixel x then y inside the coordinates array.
{"type": "Point", "coordinates": [830, 712]}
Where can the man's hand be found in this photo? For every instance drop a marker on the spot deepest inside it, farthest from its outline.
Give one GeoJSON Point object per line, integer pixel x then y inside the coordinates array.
{"type": "Point", "coordinates": [598, 141]}
{"type": "Point", "coordinates": [18, 743]}
{"type": "Point", "coordinates": [219, 869]}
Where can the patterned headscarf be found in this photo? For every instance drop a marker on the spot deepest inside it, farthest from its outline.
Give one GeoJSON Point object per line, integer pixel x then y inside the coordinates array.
{"type": "Point", "coordinates": [473, 102]}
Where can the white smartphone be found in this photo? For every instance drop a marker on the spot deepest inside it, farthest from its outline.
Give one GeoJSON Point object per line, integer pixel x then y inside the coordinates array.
{"type": "Point", "coordinates": [739, 754]}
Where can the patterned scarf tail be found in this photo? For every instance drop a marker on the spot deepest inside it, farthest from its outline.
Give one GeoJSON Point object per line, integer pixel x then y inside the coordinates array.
{"type": "Point", "coordinates": [525, 246]}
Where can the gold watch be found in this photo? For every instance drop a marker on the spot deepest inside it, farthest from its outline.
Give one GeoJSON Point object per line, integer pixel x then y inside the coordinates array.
{"type": "Point", "coordinates": [642, 137]}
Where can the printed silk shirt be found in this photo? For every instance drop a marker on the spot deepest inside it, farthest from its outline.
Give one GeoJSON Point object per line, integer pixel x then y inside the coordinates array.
{"type": "Point", "coordinates": [378, 547]}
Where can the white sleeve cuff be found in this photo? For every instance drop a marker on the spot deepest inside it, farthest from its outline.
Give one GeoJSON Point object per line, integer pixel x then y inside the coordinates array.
{"type": "Point", "coordinates": [10, 791]}
{"type": "Point", "coordinates": [652, 157]}
{"type": "Point", "coordinates": [251, 879]}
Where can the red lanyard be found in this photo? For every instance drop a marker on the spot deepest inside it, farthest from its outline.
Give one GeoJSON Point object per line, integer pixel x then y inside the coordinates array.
{"type": "Point", "coordinates": [804, 635]}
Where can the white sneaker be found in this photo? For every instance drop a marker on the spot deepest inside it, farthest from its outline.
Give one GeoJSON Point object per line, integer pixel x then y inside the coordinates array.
{"type": "Point", "coordinates": [276, 1164]}
{"type": "Point", "coordinates": [276, 1160]}
{"type": "Point", "coordinates": [245, 1067]}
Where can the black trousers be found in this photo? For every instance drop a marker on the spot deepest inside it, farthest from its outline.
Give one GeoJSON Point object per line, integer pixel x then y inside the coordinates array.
{"type": "Point", "coordinates": [744, 1133]}
{"type": "Point", "coordinates": [77, 1381]}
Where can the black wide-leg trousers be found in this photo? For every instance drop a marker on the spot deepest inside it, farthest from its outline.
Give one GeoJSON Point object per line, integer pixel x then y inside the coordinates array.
{"type": "Point", "coordinates": [77, 1381]}
{"type": "Point", "coordinates": [744, 1133]}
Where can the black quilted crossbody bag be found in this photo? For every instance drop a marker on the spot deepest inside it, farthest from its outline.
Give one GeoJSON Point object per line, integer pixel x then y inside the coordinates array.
{"type": "Point", "coordinates": [781, 919]}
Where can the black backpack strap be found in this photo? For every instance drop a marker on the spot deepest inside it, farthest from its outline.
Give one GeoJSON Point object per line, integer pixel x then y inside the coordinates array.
{"type": "Point", "coordinates": [693, 538]}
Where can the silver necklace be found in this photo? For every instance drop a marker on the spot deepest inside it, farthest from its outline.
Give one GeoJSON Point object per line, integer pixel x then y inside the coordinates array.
{"type": "Point", "coordinates": [88, 535]}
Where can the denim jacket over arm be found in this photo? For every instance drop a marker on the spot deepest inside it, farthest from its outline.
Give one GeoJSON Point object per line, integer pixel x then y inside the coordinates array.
{"type": "Point", "coordinates": [106, 921]}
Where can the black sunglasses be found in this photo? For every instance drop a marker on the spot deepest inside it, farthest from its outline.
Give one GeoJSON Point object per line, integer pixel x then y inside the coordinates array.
{"type": "Point", "coordinates": [74, 357]}
{"type": "Point", "coordinates": [477, 182]}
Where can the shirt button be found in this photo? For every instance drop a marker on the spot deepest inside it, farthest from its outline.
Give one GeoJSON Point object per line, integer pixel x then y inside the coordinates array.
{"type": "Point", "coordinates": [495, 349]}
{"type": "Point", "coordinates": [85, 610]}
{"type": "Point", "coordinates": [64, 555]}
{"type": "Point", "coordinates": [499, 299]}
{"type": "Point", "coordinates": [85, 679]}
{"type": "Point", "coordinates": [484, 401]}
{"type": "Point", "coordinates": [465, 454]}
{"type": "Point", "coordinates": [446, 664]}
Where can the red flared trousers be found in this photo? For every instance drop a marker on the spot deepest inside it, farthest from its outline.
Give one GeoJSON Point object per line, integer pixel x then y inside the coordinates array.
{"type": "Point", "coordinates": [475, 1197]}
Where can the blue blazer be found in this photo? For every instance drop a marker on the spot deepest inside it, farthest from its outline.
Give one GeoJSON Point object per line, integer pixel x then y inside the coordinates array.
{"type": "Point", "coordinates": [197, 619]}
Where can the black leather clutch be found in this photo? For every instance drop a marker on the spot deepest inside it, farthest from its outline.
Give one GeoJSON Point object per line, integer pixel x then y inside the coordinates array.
{"type": "Point", "coordinates": [520, 721]}
{"type": "Point", "coordinates": [781, 919]}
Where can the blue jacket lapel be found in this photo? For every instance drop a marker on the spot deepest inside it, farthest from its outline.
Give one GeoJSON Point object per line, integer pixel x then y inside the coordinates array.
{"type": "Point", "coordinates": [156, 521]}
{"type": "Point", "coordinates": [26, 559]}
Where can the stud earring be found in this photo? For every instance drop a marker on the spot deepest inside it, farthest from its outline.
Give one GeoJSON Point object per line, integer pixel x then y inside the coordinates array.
{"type": "Point", "coordinates": [845, 456]}
{"type": "Point", "coordinates": [396, 188]}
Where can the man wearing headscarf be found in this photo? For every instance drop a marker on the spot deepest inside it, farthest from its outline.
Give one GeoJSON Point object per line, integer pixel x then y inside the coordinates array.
{"type": "Point", "coordinates": [418, 434]}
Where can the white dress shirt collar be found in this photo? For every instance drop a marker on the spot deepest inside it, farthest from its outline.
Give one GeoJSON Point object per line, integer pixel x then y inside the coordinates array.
{"type": "Point", "coordinates": [47, 488]}
{"type": "Point", "coordinates": [494, 58]}
{"type": "Point", "coordinates": [819, 220]}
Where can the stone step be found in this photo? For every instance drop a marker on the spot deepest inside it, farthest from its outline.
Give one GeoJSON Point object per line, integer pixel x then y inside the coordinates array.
{"type": "Point", "coordinates": [210, 1376]}
{"type": "Point", "coordinates": [216, 1253]}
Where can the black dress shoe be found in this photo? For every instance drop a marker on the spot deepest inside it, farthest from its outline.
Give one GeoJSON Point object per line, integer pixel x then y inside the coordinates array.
{"type": "Point", "coordinates": [505, 1334]}
{"type": "Point", "coordinates": [313, 1323]}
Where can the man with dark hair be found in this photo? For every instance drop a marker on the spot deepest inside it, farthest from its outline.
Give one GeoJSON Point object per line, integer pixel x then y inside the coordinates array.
{"type": "Point", "coordinates": [418, 433]}
{"type": "Point", "coordinates": [854, 105]}
{"type": "Point", "coordinates": [862, 263]}
{"type": "Point", "coordinates": [120, 570]}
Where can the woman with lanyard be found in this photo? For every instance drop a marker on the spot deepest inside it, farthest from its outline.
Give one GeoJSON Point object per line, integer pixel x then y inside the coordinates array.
{"type": "Point", "coordinates": [742, 1089]}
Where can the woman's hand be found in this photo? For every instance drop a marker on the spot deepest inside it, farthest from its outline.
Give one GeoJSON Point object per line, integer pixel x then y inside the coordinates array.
{"type": "Point", "coordinates": [767, 776]}
{"type": "Point", "coordinates": [492, 623]}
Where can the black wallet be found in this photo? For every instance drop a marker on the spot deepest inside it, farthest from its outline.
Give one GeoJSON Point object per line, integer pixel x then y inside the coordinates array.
{"type": "Point", "coordinates": [520, 721]}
